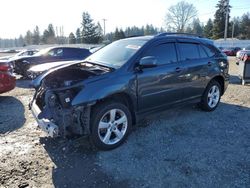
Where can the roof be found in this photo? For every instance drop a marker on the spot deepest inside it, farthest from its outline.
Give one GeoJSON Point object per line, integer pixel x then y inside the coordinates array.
{"type": "Point", "coordinates": [174, 36]}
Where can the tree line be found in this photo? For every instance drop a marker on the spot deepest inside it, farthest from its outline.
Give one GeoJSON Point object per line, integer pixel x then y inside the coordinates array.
{"type": "Point", "coordinates": [181, 17]}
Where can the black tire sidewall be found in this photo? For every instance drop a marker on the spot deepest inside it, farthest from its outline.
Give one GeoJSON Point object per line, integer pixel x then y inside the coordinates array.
{"type": "Point", "coordinates": [98, 113]}
{"type": "Point", "coordinates": [204, 103]}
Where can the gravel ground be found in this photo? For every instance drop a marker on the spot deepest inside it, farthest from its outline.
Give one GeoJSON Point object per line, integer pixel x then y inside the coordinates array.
{"type": "Point", "coordinates": [184, 147]}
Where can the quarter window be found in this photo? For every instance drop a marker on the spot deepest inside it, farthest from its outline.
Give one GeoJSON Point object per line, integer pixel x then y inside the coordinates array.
{"type": "Point", "coordinates": [203, 54]}
{"type": "Point", "coordinates": [164, 53]}
{"type": "Point", "coordinates": [209, 51]}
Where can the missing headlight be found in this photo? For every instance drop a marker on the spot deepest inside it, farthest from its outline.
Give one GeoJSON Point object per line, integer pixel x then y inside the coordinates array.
{"type": "Point", "coordinates": [66, 98]}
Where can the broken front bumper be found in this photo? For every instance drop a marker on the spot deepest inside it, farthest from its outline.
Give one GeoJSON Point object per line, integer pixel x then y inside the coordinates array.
{"type": "Point", "coordinates": [46, 125]}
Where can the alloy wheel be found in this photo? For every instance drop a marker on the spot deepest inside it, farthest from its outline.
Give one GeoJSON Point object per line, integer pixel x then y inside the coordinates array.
{"type": "Point", "coordinates": [112, 126]}
{"type": "Point", "coordinates": [213, 96]}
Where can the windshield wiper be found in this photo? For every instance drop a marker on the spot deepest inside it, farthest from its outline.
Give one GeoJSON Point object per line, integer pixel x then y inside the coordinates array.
{"type": "Point", "coordinates": [99, 64]}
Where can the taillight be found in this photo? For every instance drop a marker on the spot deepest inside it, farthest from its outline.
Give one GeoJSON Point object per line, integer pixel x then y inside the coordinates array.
{"type": "Point", "coordinates": [4, 67]}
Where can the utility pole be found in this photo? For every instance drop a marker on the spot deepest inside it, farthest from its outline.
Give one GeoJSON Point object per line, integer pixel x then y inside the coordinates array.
{"type": "Point", "coordinates": [233, 30]}
{"type": "Point", "coordinates": [226, 21]}
{"type": "Point", "coordinates": [104, 26]}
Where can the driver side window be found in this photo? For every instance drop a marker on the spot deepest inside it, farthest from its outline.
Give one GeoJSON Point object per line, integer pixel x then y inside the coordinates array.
{"type": "Point", "coordinates": [164, 53]}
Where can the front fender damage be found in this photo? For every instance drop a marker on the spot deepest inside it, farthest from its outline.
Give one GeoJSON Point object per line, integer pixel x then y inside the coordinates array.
{"type": "Point", "coordinates": [56, 90]}
{"type": "Point", "coordinates": [59, 119]}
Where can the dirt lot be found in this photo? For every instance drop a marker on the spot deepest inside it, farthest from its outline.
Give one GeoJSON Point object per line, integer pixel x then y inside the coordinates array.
{"type": "Point", "coordinates": [184, 147]}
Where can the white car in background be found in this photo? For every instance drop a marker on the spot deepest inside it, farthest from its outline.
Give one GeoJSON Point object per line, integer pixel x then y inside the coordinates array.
{"type": "Point", "coordinates": [22, 53]}
{"type": "Point", "coordinates": [241, 52]}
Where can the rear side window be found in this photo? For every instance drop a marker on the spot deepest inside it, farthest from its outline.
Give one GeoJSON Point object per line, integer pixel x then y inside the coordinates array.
{"type": "Point", "coordinates": [164, 53]}
{"type": "Point", "coordinates": [188, 51]}
{"type": "Point", "coordinates": [57, 52]}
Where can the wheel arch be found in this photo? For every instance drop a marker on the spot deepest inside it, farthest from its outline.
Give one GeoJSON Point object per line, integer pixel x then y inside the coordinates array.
{"type": "Point", "coordinates": [220, 79]}
{"type": "Point", "coordinates": [125, 99]}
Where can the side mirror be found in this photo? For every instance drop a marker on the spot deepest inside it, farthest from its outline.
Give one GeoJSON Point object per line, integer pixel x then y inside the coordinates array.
{"type": "Point", "coordinates": [148, 62]}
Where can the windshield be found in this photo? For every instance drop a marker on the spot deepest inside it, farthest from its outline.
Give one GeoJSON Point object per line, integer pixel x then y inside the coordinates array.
{"type": "Point", "coordinates": [117, 53]}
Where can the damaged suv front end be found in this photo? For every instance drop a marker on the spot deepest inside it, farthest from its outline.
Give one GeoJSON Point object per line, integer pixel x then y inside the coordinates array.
{"type": "Point", "coordinates": [53, 104]}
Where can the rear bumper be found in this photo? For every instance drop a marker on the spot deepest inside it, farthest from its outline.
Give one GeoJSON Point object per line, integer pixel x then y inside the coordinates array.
{"type": "Point", "coordinates": [7, 82]}
{"type": "Point", "coordinates": [46, 125]}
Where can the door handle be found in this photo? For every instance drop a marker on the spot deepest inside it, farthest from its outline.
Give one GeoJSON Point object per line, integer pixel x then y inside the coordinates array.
{"type": "Point", "coordinates": [178, 69]}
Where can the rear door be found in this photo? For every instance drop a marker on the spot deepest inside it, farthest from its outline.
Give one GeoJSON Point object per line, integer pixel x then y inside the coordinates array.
{"type": "Point", "coordinates": [196, 65]}
{"type": "Point", "coordinates": [160, 85]}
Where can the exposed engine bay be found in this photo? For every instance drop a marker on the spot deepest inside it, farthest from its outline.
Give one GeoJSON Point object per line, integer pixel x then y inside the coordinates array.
{"type": "Point", "coordinates": [54, 97]}
{"type": "Point", "coordinates": [71, 75]}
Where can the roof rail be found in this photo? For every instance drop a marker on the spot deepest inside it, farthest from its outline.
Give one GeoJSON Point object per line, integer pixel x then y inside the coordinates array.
{"type": "Point", "coordinates": [181, 34]}
{"type": "Point", "coordinates": [132, 36]}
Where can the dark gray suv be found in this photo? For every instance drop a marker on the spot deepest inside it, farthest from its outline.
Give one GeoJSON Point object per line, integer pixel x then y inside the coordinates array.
{"type": "Point", "coordinates": [108, 92]}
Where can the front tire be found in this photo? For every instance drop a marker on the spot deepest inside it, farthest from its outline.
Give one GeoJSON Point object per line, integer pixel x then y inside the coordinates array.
{"type": "Point", "coordinates": [110, 125]}
{"type": "Point", "coordinates": [211, 97]}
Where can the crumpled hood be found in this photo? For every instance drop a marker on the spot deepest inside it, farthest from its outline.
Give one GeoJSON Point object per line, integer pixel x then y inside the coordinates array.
{"type": "Point", "coordinates": [36, 82]}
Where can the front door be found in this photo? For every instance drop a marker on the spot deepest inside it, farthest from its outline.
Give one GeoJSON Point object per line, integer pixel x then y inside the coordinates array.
{"type": "Point", "coordinates": [162, 84]}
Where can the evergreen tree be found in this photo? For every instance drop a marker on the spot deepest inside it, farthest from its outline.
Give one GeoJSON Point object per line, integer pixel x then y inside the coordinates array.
{"type": "Point", "coordinates": [116, 34]}
{"type": "Point", "coordinates": [28, 38]}
{"type": "Point", "coordinates": [52, 37]}
{"type": "Point", "coordinates": [122, 34]}
{"type": "Point", "coordinates": [208, 29]}
{"type": "Point", "coordinates": [189, 29]}
{"type": "Point", "coordinates": [149, 30]}
{"type": "Point", "coordinates": [45, 36]}
{"type": "Point", "coordinates": [245, 26]}
{"type": "Point", "coordinates": [99, 32]}
{"type": "Point", "coordinates": [197, 27]}
{"type": "Point", "coordinates": [21, 41]}
{"type": "Point", "coordinates": [219, 19]}
{"type": "Point", "coordinates": [90, 32]}
{"type": "Point", "coordinates": [119, 34]}
{"type": "Point", "coordinates": [72, 38]}
{"type": "Point", "coordinates": [78, 36]}
{"type": "Point", "coordinates": [36, 36]}
{"type": "Point", "coordinates": [110, 36]}
{"type": "Point", "coordinates": [49, 35]}
{"type": "Point", "coordinates": [235, 27]}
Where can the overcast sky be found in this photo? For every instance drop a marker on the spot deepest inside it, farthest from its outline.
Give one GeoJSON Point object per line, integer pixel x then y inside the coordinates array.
{"type": "Point", "coordinates": [18, 16]}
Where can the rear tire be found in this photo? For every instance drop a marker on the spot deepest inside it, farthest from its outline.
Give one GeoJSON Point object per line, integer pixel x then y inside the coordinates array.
{"type": "Point", "coordinates": [211, 97]}
{"type": "Point", "coordinates": [110, 125]}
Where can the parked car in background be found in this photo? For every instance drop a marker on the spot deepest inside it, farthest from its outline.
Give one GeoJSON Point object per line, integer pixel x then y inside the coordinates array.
{"type": "Point", "coordinates": [231, 51]}
{"type": "Point", "coordinates": [125, 81]}
{"type": "Point", "coordinates": [19, 54]}
{"type": "Point", "coordinates": [37, 70]}
{"type": "Point", "coordinates": [49, 55]}
{"type": "Point", "coordinates": [7, 80]}
{"type": "Point", "coordinates": [240, 53]}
